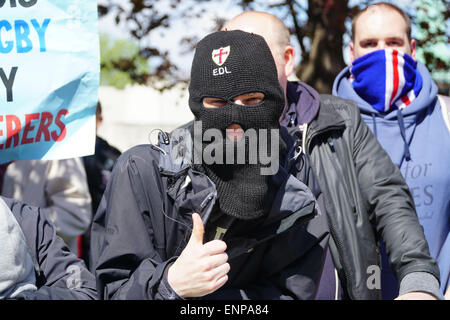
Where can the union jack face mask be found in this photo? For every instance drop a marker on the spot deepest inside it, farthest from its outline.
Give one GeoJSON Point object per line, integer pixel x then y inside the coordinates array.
{"type": "Point", "coordinates": [387, 79]}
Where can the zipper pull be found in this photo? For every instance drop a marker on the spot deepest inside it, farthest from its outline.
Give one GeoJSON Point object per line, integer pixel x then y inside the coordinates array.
{"type": "Point", "coordinates": [303, 128]}
{"type": "Point", "coordinates": [292, 120]}
{"type": "Point", "coordinates": [331, 144]}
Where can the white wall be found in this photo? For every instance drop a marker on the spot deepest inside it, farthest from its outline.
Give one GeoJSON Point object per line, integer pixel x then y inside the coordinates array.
{"type": "Point", "coordinates": [130, 115]}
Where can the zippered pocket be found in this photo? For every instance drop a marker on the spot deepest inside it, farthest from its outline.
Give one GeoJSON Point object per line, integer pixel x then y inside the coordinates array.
{"type": "Point", "coordinates": [340, 173]}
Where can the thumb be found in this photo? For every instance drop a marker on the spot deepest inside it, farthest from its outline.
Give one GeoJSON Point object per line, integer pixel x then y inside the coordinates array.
{"type": "Point", "coordinates": [197, 229]}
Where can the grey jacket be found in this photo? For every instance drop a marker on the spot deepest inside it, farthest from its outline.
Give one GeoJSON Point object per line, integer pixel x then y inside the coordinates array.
{"type": "Point", "coordinates": [60, 275]}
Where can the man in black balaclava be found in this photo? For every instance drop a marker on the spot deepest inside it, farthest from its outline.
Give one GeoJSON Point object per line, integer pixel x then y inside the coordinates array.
{"type": "Point", "coordinates": [223, 70]}
{"type": "Point", "coordinates": [171, 227]}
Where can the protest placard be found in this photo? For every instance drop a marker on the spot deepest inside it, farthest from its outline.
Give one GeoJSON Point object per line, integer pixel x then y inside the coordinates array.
{"type": "Point", "coordinates": [49, 75]}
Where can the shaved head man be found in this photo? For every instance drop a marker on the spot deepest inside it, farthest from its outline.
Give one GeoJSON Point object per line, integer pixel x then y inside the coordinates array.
{"type": "Point", "coordinates": [276, 35]}
{"type": "Point", "coordinates": [351, 174]}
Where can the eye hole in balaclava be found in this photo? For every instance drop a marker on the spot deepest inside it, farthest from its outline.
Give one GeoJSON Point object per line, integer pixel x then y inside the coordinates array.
{"type": "Point", "coordinates": [246, 99]}
{"type": "Point", "coordinates": [228, 65]}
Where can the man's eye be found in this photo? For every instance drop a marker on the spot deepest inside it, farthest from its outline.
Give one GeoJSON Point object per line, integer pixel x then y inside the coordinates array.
{"type": "Point", "coordinates": [255, 100]}
{"type": "Point", "coordinates": [213, 103]}
{"type": "Point", "coordinates": [218, 103]}
{"type": "Point", "coordinates": [369, 44]}
{"type": "Point", "coordinates": [395, 43]}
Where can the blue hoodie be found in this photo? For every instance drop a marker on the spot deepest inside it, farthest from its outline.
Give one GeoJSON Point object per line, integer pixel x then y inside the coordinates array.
{"type": "Point", "coordinates": [422, 132]}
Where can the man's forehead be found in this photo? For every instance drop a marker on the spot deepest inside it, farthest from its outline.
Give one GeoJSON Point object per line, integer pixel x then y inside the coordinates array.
{"type": "Point", "coordinates": [372, 24]}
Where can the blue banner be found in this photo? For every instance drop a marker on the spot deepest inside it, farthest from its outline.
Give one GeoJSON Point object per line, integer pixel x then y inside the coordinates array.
{"type": "Point", "coordinates": [49, 77]}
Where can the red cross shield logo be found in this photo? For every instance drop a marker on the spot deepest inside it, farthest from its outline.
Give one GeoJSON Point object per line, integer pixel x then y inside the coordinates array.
{"type": "Point", "coordinates": [219, 56]}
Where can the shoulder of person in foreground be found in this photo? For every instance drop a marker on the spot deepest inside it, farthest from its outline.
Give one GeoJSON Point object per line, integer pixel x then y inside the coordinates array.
{"type": "Point", "coordinates": [60, 275]}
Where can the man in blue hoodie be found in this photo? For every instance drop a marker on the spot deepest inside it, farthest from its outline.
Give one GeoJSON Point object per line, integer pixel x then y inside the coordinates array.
{"type": "Point", "coordinates": [362, 192]}
{"type": "Point", "coordinates": [398, 101]}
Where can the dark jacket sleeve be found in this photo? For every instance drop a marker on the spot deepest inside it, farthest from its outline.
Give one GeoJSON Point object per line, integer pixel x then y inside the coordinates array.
{"type": "Point", "coordinates": [125, 261]}
{"type": "Point", "coordinates": [391, 204]}
{"type": "Point", "coordinates": [60, 274]}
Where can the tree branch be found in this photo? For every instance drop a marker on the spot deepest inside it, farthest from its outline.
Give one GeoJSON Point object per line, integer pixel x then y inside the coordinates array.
{"type": "Point", "coordinates": [297, 29]}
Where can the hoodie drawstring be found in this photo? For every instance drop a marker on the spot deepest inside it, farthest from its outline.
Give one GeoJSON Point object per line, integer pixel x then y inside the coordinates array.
{"type": "Point", "coordinates": [374, 125]}
{"type": "Point", "coordinates": [401, 124]}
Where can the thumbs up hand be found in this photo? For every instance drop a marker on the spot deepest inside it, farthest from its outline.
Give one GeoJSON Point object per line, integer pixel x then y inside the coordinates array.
{"type": "Point", "coordinates": [201, 268]}
{"type": "Point", "coordinates": [197, 230]}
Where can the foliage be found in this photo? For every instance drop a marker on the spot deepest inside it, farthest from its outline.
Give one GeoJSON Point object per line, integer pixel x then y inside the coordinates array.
{"type": "Point", "coordinates": [121, 63]}
{"type": "Point", "coordinates": [320, 28]}
{"type": "Point", "coordinates": [432, 40]}
{"type": "Point", "coordinates": [141, 18]}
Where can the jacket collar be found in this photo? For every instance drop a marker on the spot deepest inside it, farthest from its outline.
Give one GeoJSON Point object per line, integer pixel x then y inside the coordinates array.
{"type": "Point", "coordinates": [303, 104]}
{"type": "Point", "coordinates": [306, 106]}
{"type": "Point", "coordinates": [195, 192]}
{"type": "Point", "coordinates": [328, 117]}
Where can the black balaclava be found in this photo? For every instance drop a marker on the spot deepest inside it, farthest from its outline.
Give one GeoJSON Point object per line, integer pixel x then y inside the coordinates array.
{"type": "Point", "coordinates": [228, 64]}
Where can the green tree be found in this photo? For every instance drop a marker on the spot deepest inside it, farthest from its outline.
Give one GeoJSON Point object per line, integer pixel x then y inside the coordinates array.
{"type": "Point", "coordinates": [433, 41]}
{"type": "Point", "coordinates": [320, 27]}
{"type": "Point", "coordinates": [141, 18]}
{"type": "Point", "coordinates": [121, 63]}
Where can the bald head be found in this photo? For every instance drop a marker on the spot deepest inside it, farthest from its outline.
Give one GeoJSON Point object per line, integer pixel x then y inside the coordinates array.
{"type": "Point", "coordinates": [266, 25]}
{"type": "Point", "coordinates": [276, 35]}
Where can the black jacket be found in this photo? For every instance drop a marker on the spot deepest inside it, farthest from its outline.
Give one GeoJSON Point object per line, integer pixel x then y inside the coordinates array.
{"type": "Point", "coordinates": [60, 275]}
{"type": "Point", "coordinates": [98, 170]}
{"type": "Point", "coordinates": [144, 222]}
{"type": "Point", "coordinates": [366, 197]}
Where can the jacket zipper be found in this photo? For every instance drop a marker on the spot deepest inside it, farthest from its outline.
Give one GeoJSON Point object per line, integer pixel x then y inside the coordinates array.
{"type": "Point", "coordinates": [337, 241]}
{"type": "Point", "coordinates": [341, 251]}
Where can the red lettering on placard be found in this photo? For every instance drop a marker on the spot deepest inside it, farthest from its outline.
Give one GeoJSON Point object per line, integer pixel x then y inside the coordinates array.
{"type": "Point", "coordinates": [46, 121]}
{"type": "Point", "coordinates": [60, 125]}
{"type": "Point", "coordinates": [13, 128]}
{"type": "Point", "coordinates": [36, 126]}
{"type": "Point", "coordinates": [29, 127]}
